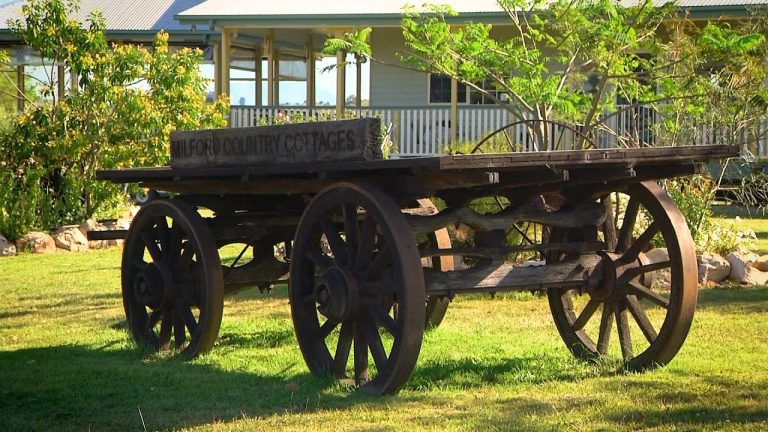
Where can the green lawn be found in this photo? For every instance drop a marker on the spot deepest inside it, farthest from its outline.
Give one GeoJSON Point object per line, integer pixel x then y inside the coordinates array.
{"type": "Point", "coordinates": [66, 363]}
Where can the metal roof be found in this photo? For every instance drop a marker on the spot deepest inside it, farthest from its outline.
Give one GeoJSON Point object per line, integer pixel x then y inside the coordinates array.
{"type": "Point", "coordinates": [122, 15]}
{"type": "Point", "coordinates": [387, 12]}
{"type": "Point", "coordinates": [327, 7]}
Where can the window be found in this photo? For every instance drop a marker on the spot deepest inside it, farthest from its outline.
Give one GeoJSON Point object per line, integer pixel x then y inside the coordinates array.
{"type": "Point", "coordinates": [440, 92]}
{"type": "Point", "coordinates": [477, 97]}
{"type": "Point", "coordinates": [440, 89]}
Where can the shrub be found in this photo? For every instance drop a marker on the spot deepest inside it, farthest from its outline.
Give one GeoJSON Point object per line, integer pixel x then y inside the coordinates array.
{"type": "Point", "coordinates": [129, 100]}
{"type": "Point", "coordinates": [694, 196]}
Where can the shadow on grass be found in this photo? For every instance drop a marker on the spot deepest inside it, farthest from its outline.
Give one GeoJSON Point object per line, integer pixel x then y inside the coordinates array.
{"type": "Point", "coordinates": [735, 299]}
{"type": "Point", "coordinates": [80, 388]}
{"type": "Point", "coordinates": [710, 401]}
{"type": "Point", "coordinates": [261, 338]}
{"type": "Point", "coordinates": [533, 369]}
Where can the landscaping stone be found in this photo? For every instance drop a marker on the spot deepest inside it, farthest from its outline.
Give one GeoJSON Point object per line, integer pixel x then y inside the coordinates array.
{"type": "Point", "coordinates": [659, 255]}
{"type": "Point", "coordinates": [6, 248]}
{"type": "Point", "coordinates": [761, 263]}
{"type": "Point", "coordinates": [36, 242]}
{"type": "Point", "coordinates": [712, 267]}
{"type": "Point", "coordinates": [92, 225]}
{"type": "Point", "coordinates": [743, 271]}
{"type": "Point", "coordinates": [70, 238]}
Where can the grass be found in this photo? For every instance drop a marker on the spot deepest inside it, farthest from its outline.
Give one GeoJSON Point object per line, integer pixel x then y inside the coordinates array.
{"type": "Point", "coordinates": [66, 363]}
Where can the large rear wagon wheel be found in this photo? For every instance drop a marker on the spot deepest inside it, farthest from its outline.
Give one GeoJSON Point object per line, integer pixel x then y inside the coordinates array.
{"type": "Point", "coordinates": [651, 314]}
{"type": "Point", "coordinates": [357, 287]}
{"type": "Point", "coordinates": [172, 286]}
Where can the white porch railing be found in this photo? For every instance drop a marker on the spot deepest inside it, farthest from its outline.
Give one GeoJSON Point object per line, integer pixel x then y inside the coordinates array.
{"type": "Point", "coordinates": [422, 131]}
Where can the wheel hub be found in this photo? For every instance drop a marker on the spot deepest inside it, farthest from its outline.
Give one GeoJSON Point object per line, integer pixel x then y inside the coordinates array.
{"type": "Point", "coordinates": [604, 282]}
{"type": "Point", "coordinates": [153, 286]}
{"type": "Point", "coordinates": [336, 294]}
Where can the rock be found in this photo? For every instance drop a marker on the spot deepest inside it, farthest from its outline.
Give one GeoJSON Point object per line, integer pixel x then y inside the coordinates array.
{"type": "Point", "coordinates": [713, 267]}
{"type": "Point", "coordinates": [70, 238]}
{"type": "Point", "coordinates": [659, 255]}
{"type": "Point", "coordinates": [761, 263]}
{"type": "Point", "coordinates": [6, 248]}
{"type": "Point", "coordinates": [36, 242]}
{"type": "Point", "coordinates": [92, 225]}
{"type": "Point", "coordinates": [743, 271]}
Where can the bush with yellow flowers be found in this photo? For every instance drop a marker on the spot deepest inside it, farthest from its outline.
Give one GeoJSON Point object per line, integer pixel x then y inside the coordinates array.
{"type": "Point", "coordinates": [128, 100]}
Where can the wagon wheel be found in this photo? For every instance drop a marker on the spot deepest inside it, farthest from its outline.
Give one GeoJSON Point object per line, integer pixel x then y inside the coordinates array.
{"type": "Point", "coordinates": [652, 316]}
{"type": "Point", "coordinates": [171, 279]}
{"type": "Point", "coordinates": [346, 294]}
{"type": "Point", "coordinates": [440, 239]}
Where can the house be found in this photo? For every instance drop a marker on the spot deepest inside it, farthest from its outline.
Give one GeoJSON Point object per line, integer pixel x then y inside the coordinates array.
{"type": "Point", "coordinates": [269, 47]}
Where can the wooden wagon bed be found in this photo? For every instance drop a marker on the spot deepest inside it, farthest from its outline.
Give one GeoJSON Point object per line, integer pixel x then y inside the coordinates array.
{"type": "Point", "coordinates": [439, 172]}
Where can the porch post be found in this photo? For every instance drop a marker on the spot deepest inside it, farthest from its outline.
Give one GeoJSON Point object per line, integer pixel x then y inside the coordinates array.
{"type": "Point", "coordinates": [276, 73]}
{"type": "Point", "coordinates": [310, 56]}
{"type": "Point", "coordinates": [358, 83]}
{"type": "Point", "coordinates": [341, 83]}
{"type": "Point", "coordinates": [226, 60]}
{"type": "Point", "coordinates": [269, 48]}
{"type": "Point", "coordinates": [20, 88]}
{"type": "Point", "coordinates": [454, 111]}
{"type": "Point", "coordinates": [257, 54]}
{"type": "Point", "coordinates": [217, 69]}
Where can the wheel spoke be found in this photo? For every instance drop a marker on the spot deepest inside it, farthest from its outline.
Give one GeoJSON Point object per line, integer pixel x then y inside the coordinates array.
{"type": "Point", "coordinates": [380, 262]}
{"type": "Point", "coordinates": [165, 330]}
{"type": "Point", "coordinates": [351, 229]}
{"type": "Point", "coordinates": [641, 290]}
{"type": "Point", "coordinates": [633, 251]}
{"type": "Point", "coordinates": [161, 231]}
{"type": "Point", "coordinates": [606, 323]}
{"type": "Point", "coordinates": [637, 311]}
{"type": "Point", "coordinates": [334, 240]}
{"type": "Point", "coordinates": [634, 272]}
{"type": "Point", "coordinates": [361, 356]}
{"type": "Point", "coordinates": [342, 350]}
{"type": "Point", "coordinates": [320, 260]}
{"type": "Point", "coordinates": [628, 224]}
{"type": "Point", "coordinates": [153, 319]}
{"type": "Point", "coordinates": [179, 332]}
{"type": "Point", "coordinates": [367, 241]}
{"type": "Point", "coordinates": [327, 328]}
{"type": "Point", "coordinates": [384, 320]}
{"type": "Point", "coordinates": [377, 347]}
{"type": "Point", "coordinates": [173, 248]}
{"type": "Point", "coordinates": [187, 256]}
{"type": "Point", "coordinates": [586, 314]}
{"type": "Point", "coordinates": [189, 319]}
{"type": "Point", "coordinates": [187, 294]}
{"type": "Point", "coordinates": [625, 338]}
{"type": "Point", "coordinates": [151, 245]}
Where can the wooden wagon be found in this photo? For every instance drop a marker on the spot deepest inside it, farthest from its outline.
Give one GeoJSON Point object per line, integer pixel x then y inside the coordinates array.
{"type": "Point", "coordinates": [369, 258]}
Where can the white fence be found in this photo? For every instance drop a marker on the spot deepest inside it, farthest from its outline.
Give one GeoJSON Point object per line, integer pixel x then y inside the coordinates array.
{"type": "Point", "coordinates": [420, 131]}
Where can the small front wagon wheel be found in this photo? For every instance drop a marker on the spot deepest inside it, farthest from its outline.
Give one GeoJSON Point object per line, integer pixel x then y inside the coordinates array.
{"type": "Point", "coordinates": [642, 299]}
{"type": "Point", "coordinates": [357, 289]}
{"type": "Point", "coordinates": [172, 285]}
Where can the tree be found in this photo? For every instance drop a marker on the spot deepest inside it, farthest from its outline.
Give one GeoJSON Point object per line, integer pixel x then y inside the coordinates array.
{"type": "Point", "coordinates": [569, 61]}
{"type": "Point", "coordinates": [128, 101]}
